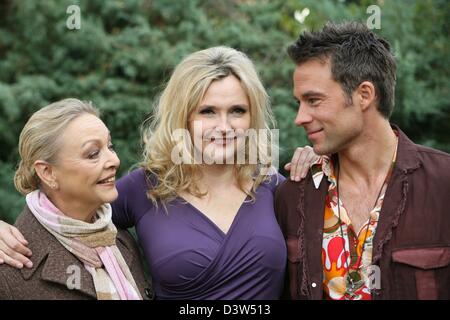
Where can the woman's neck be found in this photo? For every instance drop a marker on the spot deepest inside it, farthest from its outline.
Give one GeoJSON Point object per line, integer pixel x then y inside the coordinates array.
{"type": "Point", "coordinates": [72, 209]}
{"type": "Point", "coordinates": [216, 176]}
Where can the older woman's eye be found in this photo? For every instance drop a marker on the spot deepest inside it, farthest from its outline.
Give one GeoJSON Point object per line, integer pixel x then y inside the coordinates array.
{"type": "Point", "coordinates": [94, 154]}
{"type": "Point", "coordinates": [111, 147]}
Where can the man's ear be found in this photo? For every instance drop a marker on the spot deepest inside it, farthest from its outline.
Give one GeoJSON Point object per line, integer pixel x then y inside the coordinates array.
{"type": "Point", "coordinates": [46, 173]}
{"type": "Point", "coordinates": [366, 94]}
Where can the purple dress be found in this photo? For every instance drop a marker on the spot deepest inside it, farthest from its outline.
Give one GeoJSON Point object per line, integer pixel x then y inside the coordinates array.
{"type": "Point", "coordinates": [191, 258]}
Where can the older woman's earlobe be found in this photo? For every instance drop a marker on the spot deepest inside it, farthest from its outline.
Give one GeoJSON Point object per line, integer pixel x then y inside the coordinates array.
{"type": "Point", "coordinates": [45, 173]}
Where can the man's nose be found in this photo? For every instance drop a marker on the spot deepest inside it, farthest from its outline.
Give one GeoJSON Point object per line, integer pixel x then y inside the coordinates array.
{"type": "Point", "coordinates": [303, 117]}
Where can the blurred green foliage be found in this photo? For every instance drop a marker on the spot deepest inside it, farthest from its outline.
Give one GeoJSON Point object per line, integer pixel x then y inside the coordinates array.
{"type": "Point", "coordinates": [125, 51]}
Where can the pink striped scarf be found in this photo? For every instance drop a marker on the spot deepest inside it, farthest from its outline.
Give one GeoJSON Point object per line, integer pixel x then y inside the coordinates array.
{"type": "Point", "coordinates": [92, 243]}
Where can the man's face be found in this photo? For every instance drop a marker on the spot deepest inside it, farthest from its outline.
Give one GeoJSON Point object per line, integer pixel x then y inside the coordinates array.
{"type": "Point", "coordinates": [330, 122]}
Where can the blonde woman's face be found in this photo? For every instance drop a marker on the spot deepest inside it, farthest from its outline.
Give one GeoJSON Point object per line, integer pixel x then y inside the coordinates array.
{"type": "Point", "coordinates": [86, 164]}
{"type": "Point", "coordinates": [220, 121]}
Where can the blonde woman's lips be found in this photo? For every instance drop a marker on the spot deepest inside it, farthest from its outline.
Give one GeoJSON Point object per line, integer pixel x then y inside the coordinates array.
{"type": "Point", "coordinates": [222, 141]}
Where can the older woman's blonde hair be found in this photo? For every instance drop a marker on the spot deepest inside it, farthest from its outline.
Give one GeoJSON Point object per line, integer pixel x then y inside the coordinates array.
{"type": "Point", "coordinates": [39, 139]}
{"type": "Point", "coordinates": [181, 96]}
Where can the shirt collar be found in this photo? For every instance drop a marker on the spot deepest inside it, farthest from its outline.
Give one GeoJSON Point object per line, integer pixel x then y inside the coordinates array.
{"type": "Point", "coordinates": [320, 168]}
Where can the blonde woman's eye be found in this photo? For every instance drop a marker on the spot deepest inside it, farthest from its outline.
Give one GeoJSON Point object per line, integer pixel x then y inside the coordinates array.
{"type": "Point", "coordinates": [239, 110]}
{"type": "Point", "coordinates": [207, 111]}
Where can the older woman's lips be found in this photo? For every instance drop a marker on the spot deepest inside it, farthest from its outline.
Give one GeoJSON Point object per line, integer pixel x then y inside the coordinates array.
{"type": "Point", "coordinates": [108, 181]}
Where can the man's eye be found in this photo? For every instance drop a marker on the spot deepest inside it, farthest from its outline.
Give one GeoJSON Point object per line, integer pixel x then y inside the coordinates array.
{"type": "Point", "coordinates": [313, 101]}
{"type": "Point", "coordinates": [111, 147]}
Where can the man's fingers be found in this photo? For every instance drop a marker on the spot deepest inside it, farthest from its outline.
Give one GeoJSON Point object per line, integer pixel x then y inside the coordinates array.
{"type": "Point", "coordinates": [303, 165]}
{"type": "Point", "coordinates": [294, 164]}
{"type": "Point", "coordinates": [310, 157]}
{"type": "Point", "coordinates": [301, 162]}
{"type": "Point", "coordinates": [287, 166]}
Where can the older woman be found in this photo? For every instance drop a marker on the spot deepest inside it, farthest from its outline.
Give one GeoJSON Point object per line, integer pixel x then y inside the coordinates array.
{"type": "Point", "coordinates": [67, 172]}
{"type": "Point", "coordinates": [202, 200]}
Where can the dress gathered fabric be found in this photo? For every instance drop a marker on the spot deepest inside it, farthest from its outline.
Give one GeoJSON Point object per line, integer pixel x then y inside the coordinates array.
{"type": "Point", "coordinates": [192, 258]}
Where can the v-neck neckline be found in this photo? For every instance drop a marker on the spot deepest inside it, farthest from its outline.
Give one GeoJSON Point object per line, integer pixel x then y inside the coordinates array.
{"type": "Point", "coordinates": [211, 222]}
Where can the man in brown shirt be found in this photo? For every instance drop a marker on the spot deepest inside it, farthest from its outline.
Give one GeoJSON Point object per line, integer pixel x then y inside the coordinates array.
{"type": "Point", "coordinates": [371, 220]}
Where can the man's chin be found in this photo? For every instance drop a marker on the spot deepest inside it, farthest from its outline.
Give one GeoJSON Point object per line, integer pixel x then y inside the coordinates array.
{"type": "Point", "coordinates": [320, 150]}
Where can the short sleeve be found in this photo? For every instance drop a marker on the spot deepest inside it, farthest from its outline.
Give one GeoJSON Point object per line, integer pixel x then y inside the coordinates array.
{"type": "Point", "coordinates": [132, 201]}
{"type": "Point", "coordinates": [275, 181]}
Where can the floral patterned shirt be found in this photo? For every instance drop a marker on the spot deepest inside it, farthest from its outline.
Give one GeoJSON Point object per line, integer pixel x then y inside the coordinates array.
{"type": "Point", "coordinates": [345, 271]}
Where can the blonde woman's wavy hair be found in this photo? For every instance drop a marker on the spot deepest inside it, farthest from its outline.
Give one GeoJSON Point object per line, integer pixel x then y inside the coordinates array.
{"type": "Point", "coordinates": [181, 96]}
{"type": "Point", "coordinates": [39, 139]}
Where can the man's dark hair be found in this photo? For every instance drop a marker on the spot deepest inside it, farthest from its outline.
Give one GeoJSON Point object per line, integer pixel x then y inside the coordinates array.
{"type": "Point", "coordinates": [356, 54]}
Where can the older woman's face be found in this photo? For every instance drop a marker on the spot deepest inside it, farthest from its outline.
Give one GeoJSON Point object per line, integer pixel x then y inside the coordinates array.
{"type": "Point", "coordinates": [222, 117]}
{"type": "Point", "coordinates": [86, 164]}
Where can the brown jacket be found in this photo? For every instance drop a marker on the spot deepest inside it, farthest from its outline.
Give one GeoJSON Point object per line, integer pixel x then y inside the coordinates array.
{"type": "Point", "coordinates": [412, 241]}
{"type": "Point", "coordinates": [51, 271]}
